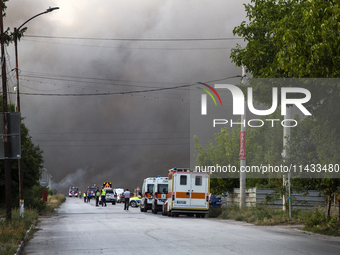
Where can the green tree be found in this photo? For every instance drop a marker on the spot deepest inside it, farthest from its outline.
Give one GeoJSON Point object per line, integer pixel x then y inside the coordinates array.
{"type": "Point", "coordinates": [290, 38]}
{"type": "Point", "coordinates": [298, 39]}
{"type": "Point", "coordinates": [32, 161]}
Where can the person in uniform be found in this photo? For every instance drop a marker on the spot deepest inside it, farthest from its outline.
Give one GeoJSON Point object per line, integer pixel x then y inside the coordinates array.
{"type": "Point", "coordinates": [127, 195]}
{"type": "Point", "coordinates": [84, 195]}
{"type": "Point", "coordinates": [97, 197]}
{"type": "Point", "coordinates": [103, 195]}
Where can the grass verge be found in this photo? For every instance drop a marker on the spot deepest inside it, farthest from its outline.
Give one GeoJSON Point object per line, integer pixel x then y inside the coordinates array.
{"type": "Point", "coordinates": [13, 232]}
{"type": "Point", "coordinates": [313, 220]}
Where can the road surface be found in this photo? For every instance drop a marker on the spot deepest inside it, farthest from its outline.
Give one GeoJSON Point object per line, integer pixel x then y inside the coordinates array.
{"type": "Point", "coordinates": [82, 228]}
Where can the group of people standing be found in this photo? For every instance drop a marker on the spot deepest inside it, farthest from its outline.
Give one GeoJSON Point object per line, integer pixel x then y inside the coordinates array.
{"type": "Point", "coordinates": [87, 197]}
{"type": "Point", "coordinates": [102, 194]}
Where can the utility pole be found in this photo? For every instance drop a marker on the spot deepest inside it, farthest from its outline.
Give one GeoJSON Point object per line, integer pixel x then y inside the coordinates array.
{"type": "Point", "coordinates": [20, 170]}
{"type": "Point", "coordinates": [286, 138]}
{"type": "Point", "coordinates": [242, 155]}
{"type": "Point", "coordinates": [5, 111]}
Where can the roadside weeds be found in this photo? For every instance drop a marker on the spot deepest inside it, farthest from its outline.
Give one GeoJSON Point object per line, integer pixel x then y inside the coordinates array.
{"type": "Point", "coordinates": [314, 220]}
{"type": "Point", "coordinates": [14, 234]}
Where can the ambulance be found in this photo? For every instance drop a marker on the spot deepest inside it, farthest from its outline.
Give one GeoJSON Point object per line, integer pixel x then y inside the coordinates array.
{"type": "Point", "coordinates": [188, 193]}
{"type": "Point", "coordinates": [146, 194]}
{"type": "Point", "coordinates": [160, 193]}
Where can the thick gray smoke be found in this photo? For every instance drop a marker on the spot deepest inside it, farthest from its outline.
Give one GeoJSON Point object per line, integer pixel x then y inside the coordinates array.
{"type": "Point", "coordinates": [120, 138]}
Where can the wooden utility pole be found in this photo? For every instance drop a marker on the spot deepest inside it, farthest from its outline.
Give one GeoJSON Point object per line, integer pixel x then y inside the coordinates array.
{"type": "Point", "coordinates": [5, 111]}
{"type": "Point", "coordinates": [242, 155]}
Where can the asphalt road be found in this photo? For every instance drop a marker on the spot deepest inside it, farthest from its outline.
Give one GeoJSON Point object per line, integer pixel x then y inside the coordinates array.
{"type": "Point", "coordinates": [82, 228]}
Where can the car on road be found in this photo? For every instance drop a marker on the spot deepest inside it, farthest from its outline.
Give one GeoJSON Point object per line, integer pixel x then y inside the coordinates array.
{"type": "Point", "coordinates": [214, 200]}
{"type": "Point", "coordinates": [119, 194]}
{"type": "Point", "coordinates": [110, 197]}
{"type": "Point", "coordinates": [135, 201]}
{"type": "Point", "coordinates": [120, 198]}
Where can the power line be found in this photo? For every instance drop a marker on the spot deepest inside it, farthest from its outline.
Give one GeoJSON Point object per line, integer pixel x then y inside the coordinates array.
{"type": "Point", "coordinates": [101, 145]}
{"type": "Point", "coordinates": [124, 92]}
{"type": "Point", "coordinates": [134, 48]}
{"type": "Point", "coordinates": [136, 39]}
{"type": "Point", "coordinates": [114, 139]}
{"type": "Point", "coordinates": [112, 133]}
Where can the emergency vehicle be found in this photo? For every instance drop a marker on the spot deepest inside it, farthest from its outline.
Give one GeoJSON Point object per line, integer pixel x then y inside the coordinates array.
{"type": "Point", "coordinates": [73, 191]}
{"type": "Point", "coordinates": [110, 195]}
{"type": "Point", "coordinates": [146, 194]}
{"type": "Point", "coordinates": [159, 195]}
{"type": "Point", "coordinates": [188, 193]}
{"type": "Point", "coordinates": [92, 190]}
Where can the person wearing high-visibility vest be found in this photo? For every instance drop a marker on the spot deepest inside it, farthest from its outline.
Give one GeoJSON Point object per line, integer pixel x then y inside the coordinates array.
{"type": "Point", "coordinates": [97, 197]}
{"type": "Point", "coordinates": [84, 195]}
{"type": "Point", "coordinates": [103, 195]}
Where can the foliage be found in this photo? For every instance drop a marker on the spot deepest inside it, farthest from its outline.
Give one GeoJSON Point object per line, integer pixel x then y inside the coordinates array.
{"type": "Point", "coordinates": [294, 38]}
{"type": "Point", "coordinates": [262, 215]}
{"type": "Point", "coordinates": [32, 162]}
{"type": "Point", "coordinates": [12, 232]}
{"type": "Point", "coordinates": [299, 39]}
{"type": "Point", "coordinates": [316, 221]}
{"type": "Point", "coordinates": [223, 151]}
{"type": "Point", "coordinates": [33, 198]}
{"type": "Point", "coordinates": [264, 146]}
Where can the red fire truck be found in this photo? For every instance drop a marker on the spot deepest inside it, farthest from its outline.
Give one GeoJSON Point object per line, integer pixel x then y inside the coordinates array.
{"type": "Point", "coordinates": [73, 191]}
{"type": "Point", "coordinates": [92, 190]}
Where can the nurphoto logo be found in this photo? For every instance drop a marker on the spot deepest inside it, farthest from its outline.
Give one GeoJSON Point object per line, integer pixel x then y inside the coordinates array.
{"type": "Point", "coordinates": [239, 104]}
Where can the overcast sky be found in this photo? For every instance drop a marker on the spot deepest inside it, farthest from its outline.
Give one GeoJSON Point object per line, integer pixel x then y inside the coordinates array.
{"type": "Point", "coordinates": [79, 50]}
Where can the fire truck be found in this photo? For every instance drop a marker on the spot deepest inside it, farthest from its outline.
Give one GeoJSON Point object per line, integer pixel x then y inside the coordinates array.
{"type": "Point", "coordinates": [188, 193]}
{"type": "Point", "coordinates": [92, 190]}
{"type": "Point", "coordinates": [73, 191]}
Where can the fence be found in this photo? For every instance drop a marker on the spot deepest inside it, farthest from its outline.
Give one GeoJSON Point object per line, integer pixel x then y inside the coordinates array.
{"type": "Point", "coordinates": [256, 196]}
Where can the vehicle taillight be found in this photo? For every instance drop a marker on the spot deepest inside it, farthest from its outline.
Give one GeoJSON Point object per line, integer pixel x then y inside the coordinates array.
{"type": "Point", "coordinates": [210, 202]}
{"type": "Point", "coordinates": [146, 194]}
{"type": "Point", "coordinates": [156, 196]}
{"type": "Point", "coordinates": [207, 199]}
{"type": "Point", "coordinates": [173, 196]}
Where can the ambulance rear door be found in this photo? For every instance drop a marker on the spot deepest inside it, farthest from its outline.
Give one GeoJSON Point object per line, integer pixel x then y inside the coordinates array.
{"type": "Point", "coordinates": [182, 188]}
{"type": "Point", "coordinates": [199, 190]}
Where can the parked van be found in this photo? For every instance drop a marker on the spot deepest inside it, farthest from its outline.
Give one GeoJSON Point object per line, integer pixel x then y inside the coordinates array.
{"type": "Point", "coordinates": [147, 193]}
{"type": "Point", "coordinates": [188, 193]}
{"type": "Point", "coordinates": [118, 192]}
{"type": "Point", "coordinates": [159, 195]}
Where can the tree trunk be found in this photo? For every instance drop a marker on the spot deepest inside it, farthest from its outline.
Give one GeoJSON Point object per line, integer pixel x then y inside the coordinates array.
{"type": "Point", "coordinates": [339, 208]}
{"type": "Point", "coordinates": [329, 207]}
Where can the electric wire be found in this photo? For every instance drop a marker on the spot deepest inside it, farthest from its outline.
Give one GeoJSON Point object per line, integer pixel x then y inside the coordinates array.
{"type": "Point", "coordinates": [136, 39]}
{"type": "Point", "coordinates": [125, 92]}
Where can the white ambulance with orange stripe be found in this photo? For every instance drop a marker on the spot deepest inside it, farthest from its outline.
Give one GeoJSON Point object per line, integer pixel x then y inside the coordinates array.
{"type": "Point", "coordinates": [188, 193]}
{"type": "Point", "coordinates": [160, 193]}
{"type": "Point", "coordinates": [146, 194]}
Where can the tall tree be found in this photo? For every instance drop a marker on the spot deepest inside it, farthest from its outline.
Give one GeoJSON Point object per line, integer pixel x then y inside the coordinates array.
{"type": "Point", "coordinates": [298, 39]}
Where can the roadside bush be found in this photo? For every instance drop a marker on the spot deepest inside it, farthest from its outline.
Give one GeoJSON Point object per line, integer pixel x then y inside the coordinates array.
{"type": "Point", "coordinates": [315, 218]}
{"type": "Point", "coordinates": [12, 232]}
{"type": "Point", "coordinates": [214, 212]}
{"type": "Point", "coordinates": [54, 201]}
{"type": "Point", "coordinates": [261, 215]}
{"type": "Point", "coordinates": [317, 222]}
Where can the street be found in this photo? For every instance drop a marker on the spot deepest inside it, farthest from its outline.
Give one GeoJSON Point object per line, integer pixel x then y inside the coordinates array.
{"type": "Point", "coordinates": [82, 228]}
